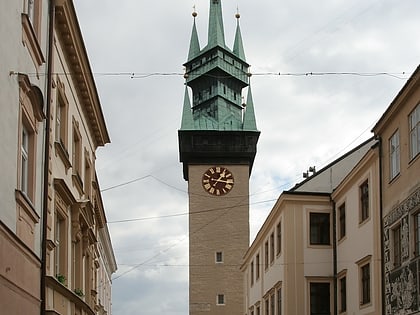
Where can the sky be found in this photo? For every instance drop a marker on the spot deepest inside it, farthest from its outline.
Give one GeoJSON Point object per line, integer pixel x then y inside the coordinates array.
{"type": "Point", "coordinates": [323, 73]}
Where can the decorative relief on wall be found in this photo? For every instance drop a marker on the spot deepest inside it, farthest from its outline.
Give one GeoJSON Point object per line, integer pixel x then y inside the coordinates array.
{"type": "Point", "coordinates": [401, 296]}
{"type": "Point", "coordinates": [403, 208]}
{"type": "Point", "coordinates": [401, 291]}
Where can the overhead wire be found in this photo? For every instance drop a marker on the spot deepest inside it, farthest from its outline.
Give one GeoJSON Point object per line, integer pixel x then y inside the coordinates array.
{"type": "Point", "coordinates": [143, 75]}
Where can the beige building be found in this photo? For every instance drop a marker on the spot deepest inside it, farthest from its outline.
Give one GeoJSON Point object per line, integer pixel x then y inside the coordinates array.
{"type": "Point", "coordinates": [56, 252]}
{"type": "Point", "coordinates": [318, 251]}
{"type": "Point", "coordinates": [24, 38]}
{"type": "Point", "coordinates": [79, 256]}
{"type": "Point", "coordinates": [358, 262]}
{"type": "Point", "coordinates": [399, 134]}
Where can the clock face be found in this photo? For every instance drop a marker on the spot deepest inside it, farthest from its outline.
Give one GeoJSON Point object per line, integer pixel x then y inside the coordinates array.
{"type": "Point", "coordinates": [217, 180]}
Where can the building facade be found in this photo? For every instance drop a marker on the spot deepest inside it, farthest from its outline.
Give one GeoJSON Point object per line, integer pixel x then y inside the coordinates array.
{"type": "Point", "coordinates": [57, 256]}
{"type": "Point", "coordinates": [399, 134]}
{"type": "Point", "coordinates": [79, 256]}
{"type": "Point", "coordinates": [24, 36]}
{"type": "Point", "coordinates": [318, 252]}
{"type": "Point", "coordinates": [217, 143]}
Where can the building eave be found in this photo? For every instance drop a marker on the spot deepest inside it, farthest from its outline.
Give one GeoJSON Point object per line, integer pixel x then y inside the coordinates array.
{"type": "Point", "coordinates": [394, 107]}
{"type": "Point", "coordinates": [68, 30]}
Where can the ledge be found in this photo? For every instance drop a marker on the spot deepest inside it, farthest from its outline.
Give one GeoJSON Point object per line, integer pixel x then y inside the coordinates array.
{"type": "Point", "coordinates": [30, 40]}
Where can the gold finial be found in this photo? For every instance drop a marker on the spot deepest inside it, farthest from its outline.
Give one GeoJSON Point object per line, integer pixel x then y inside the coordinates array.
{"type": "Point", "coordinates": [237, 15]}
{"type": "Point", "coordinates": [194, 14]}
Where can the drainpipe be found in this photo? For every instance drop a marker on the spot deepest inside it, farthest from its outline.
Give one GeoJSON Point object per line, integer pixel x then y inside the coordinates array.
{"type": "Point", "coordinates": [47, 156]}
{"type": "Point", "coordinates": [335, 255]}
{"type": "Point", "coordinates": [381, 211]}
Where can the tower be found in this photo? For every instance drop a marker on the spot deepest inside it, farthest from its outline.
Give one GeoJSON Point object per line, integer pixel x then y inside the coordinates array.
{"type": "Point", "coordinates": [217, 145]}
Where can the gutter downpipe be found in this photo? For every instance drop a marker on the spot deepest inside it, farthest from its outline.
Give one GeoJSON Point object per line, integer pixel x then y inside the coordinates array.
{"type": "Point", "coordinates": [47, 156]}
{"type": "Point", "coordinates": [381, 210]}
{"type": "Point", "coordinates": [335, 256]}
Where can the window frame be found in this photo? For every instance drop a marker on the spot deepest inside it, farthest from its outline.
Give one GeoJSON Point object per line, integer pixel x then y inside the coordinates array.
{"type": "Point", "coordinates": [317, 297]}
{"type": "Point", "coordinates": [342, 294]}
{"type": "Point", "coordinates": [272, 248]}
{"type": "Point", "coordinates": [220, 299]}
{"type": "Point", "coordinates": [365, 284]}
{"type": "Point", "coordinates": [279, 238]}
{"type": "Point", "coordinates": [414, 132]}
{"type": "Point", "coordinates": [364, 201]}
{"type": "Point", "coordinates": [218, 257]}
{"type": "Point", "coordinates": [257, 266]}
{"type": "Point", "coordinates": [320, 229]}
{"type": "Point", "coordinates": [279, 300]}
{"type": "Point", "coordinates": [266, 255]}
{"type": "Point", "coordinates": [396, 246]}
{"type": "Point", "coordinates": [394, 155]}
{"type": "Point", "coordinates": [251, 267]}
{"type": "Point", "coordinates": [342, 221]}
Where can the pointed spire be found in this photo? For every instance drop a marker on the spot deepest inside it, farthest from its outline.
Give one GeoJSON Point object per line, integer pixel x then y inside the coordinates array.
{"type": "Point", "coordinates": [194, 43]}
{"type": "Point", "coordinates": [216, 36]}
{"type": "Point", "coordinates": [238, 47]}
{"type": "Point", "coordinates": [187, 122]}
{"type": "Point", "coordinates": [250, 123]}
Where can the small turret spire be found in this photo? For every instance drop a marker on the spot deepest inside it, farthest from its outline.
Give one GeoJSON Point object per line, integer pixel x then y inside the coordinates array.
{"type": "Point", "coordinates": [250, 123]}
{"type": "Point", "coordinates": [194, 43]}
{"type": "Point", "coordinates": [238, 47]}
{"type": "Point", "coordinates": [187, 122]}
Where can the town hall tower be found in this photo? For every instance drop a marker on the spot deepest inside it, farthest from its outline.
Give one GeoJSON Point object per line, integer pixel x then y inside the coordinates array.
{"type": "Point", "coordinates": [217, 145]}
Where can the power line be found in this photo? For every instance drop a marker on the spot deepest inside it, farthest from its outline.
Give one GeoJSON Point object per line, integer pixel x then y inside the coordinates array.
{"type": "Point", "coordinates": [144, 75]}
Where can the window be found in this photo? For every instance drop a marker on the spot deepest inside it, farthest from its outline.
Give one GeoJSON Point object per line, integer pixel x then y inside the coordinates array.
{"type": "Point", "coordinates": [394, 155]}
{"type": "Point", "coordinates": [364, 201]}
{"type": "Point", "coordinates": [88, 178]}
{"type": "Point", "coordinates": [272, 247]}
{"type": "Point", "coordinates": [320, 298]}
{"type": "Point", "coordinates": [77, 153]}
{"type": "Point", "coordinates": [33, 11]}
{"type": "Point", "coordinates": [258, 310]}
{"type": "Point", "coordinates": [279, 301]}
{"type": "Point", "coordinates": [278, 238]}
{"type": "Point", "coordinates": [219, 257]}
{"type": "Point", "coordinates": [24, 160]}
{"type": "Point", "coordinates": [267, 306]}
{"type": "Point", "coordinates": [252, 272]}
{"type": "Point", "coordinates": [365, 273]}
{"type": "Point", "coordinates": [343, 295]}
{"type": "Point", "coordinates": [272, 303]}
{"type": "Point", "coordinates": [414, 119]}
{"type": "Point", "coordinates": [60, 245]}
{"type": "Point", "coordinates": [320, 228]}
{"type": "Point", "coordinates": [417, 234]}
{"type": "Point", "coordinates": [342, 219]}
{"type": "Point", "coordinates": [257, 267]}
{"type": "Point", "coordinates": [61, 117]}
{"type": "Point", "coordinates": [220, 299]}
{"type": "Point", "coordinates": [266, 254]}
{"type": "Point", "coordinates": [396, 237]}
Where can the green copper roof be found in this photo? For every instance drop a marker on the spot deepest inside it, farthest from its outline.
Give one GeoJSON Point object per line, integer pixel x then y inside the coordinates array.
{"type": "Point", "coordinates": [216, 31]}
{"type": "Point", "coordinates": [238, 47]}
{"type": "Point", "coordinates": [250, 123]}
{"type": "Point", "coordinates": [194, 43]}
{"type": "Point", "coordinates": [187, 122]}
{"type": "Point", "coordinates": [217, 77]}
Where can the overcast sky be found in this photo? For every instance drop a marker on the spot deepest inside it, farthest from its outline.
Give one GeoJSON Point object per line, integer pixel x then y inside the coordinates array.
{"type": "Point", "coordinates": [305, 120]}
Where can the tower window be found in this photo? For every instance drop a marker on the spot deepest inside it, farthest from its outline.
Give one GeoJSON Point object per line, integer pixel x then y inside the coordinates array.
{"type": "Point", "coordinates": [219, 257]}
{"type": "Point", "coordinates": [220, 299]}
